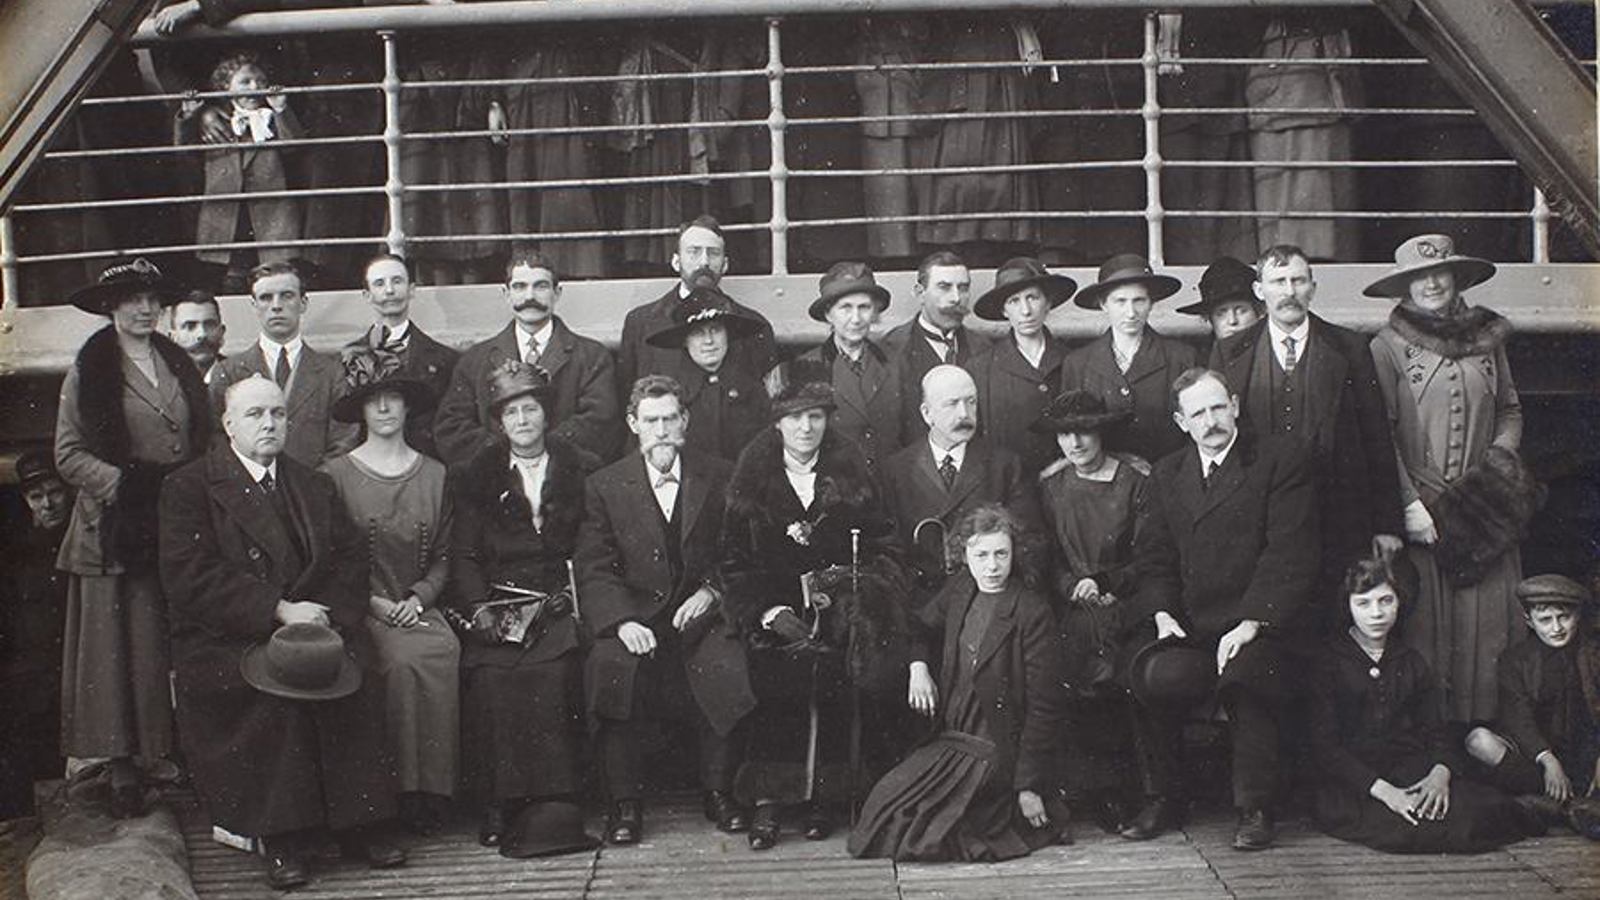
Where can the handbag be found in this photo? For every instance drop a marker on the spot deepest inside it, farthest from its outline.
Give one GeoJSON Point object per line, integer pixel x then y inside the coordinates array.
{"type": "Point", "coordinates": [510, 615]}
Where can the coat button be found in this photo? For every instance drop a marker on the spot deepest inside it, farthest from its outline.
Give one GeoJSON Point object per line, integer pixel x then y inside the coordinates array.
{"type": "Point", "coordinates": [172, 426]}
{"type": "Point", "coordinates": [1455, 443]}
{"type": "Point", "coordinates": [177, 449]}
{"type": "Point", "coordinates": [1455, 392]}
{"type": "Point", "coordinates": [655, 555]}
{"type": "Point", "coordinates": [254, 553]}
{"type": "Point", "coordinates": [1455, 426]}
{"type": "Point", "coordinates": [1125, 391]}
{"type": "Point", "coordinates": [1044, 388]}
{"type": "Point", "coordinates": [1455, 408]}
{"type": "Point", "coordinates": [660, 596]}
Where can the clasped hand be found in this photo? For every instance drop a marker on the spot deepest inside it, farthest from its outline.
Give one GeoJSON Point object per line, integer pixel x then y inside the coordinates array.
{"type": "Point", "coordinates": [310, 612]}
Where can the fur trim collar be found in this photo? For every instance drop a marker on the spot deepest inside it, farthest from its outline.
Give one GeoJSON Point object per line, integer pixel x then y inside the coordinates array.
{"type": "Point", "coordinates": [1475, 331]}
{"type": "Point", "coordinates": [759, 489]}
{"type": "Point", "coordinates": [488, 483]}
{"type": "Point", "coordinates": [99, 366]}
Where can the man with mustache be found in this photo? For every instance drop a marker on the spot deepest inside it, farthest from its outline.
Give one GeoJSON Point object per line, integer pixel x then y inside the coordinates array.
{"type": "Point", "coordinates": [195, 325]}
{"type": "Point", "coordinates": [701, 259]}
{"type": "Point", "coordinates": [386, 284]}
{"type": "Point", "coordinates": [649, 582]}
{"type": "Point", "coordinates": [936, 336]}
{"type": "Point", "coordinates": [1299, 374]}
{"type": "Point", "coordinates": [582, 404]}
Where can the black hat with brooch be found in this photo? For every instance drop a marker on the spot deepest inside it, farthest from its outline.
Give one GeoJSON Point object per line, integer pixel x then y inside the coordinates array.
{"type": "Point", "coordinates": [371, 370]}
{"type": "Point", "coordinates": [1015, 275]}
{"type": "Point", "coordinates": [1126, 268]}
{"type": "Point", "coordinates": [1225, 281]}
{"type": "Point", "coordinates": [122, 280]}
{"type": "Point", "coordinates": [1078, 412]}
{"type": "Point", "coordinates": [703, 306]}
{"type": "Point", "coordinates": [515, 378]}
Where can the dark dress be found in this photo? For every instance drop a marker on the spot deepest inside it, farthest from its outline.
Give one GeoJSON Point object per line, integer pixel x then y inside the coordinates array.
{"type": "Point", "coordinates": [1380, 719]}
{"type": "Point", "coordinates": [33, 605]}
{"type": "Point", "coordinates": [955, 797]}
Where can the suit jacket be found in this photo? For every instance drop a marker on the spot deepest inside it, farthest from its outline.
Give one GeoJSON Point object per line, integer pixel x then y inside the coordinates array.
{"type": "Point", "coordinates": [582, 409]}
{"type": "Point", "coordinates": [913, 358]}
{"type": "Point", "coordinates": [1347, 426]}
{"type": "Point", "coordinates": [624, 575]}
{"type": "Point", "coordinates": [247, 167]}
{"type": "Point", "coordinates": [1012, 393]}
{"type": "Point", "coordinates": [430, 362]}
{"type": "Point", "coordinates": [1146, 388]}
{"type": "Point", "coordinates": [868, 408]}
{"type": "Point", "coordinates": [316, 381]}
{"type": "Point", "coordinates": [754, 355]}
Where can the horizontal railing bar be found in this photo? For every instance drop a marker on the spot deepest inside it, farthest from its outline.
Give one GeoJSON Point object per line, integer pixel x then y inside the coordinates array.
{"type": "Point", "coordinates": [575, 235]}
{"type": "Point", "coordinates": [1346, 214]}
{"type": "Point", "coordinates": [582, 129]}
{"type": "Point", "coordinates": [1338, 164]}
{"type": "Point", "coordinates": [228, 95]}
{"type": "Point", "coordinates": [275, 143]}
{"type": "Point", "coordinates": [1139, 214]}
{"type": "Point", "coordinates": [583, 79]}
{"type": "Point", "coordinates": [843, 69]}
{"type": "Point", "coordinates": [122, 202]}
{"type": "Point", "coordinates": [584, 182]}
{"type": "Point", "coordinates": [190, 248]}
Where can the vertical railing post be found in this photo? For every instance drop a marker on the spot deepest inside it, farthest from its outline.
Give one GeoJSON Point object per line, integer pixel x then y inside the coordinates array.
{"type": "Point", "coordinates": [1154, 213]}
{"type": "Point", "coordinates": [393, 187]}
{"type": "Point", "coordinates": [1541, 228]}
{"type": "Point", "coordinates": [8, 264]}
{"type": "Point", "coordinates": [779, 170]}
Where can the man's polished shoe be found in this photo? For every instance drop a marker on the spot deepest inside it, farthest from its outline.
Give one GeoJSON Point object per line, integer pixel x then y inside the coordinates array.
{"type": "Point", "coordinates": [1158, 816]}
{"type": "Point", "coordinates": [1255, 830]}
{"type": "Point", "coordinates": [764, 827]}
{"type": "Point", "coordinates": [817, 824]}
{"type": "Point", "coordinates": [379, 852]}
{"type": "Point", "coordinates": [493, 828]}
{"type": "Point", "coordinates": [625, 825]}
{"type": "Point", "coordinates": [286, 867]}
{"type": "Point", "coordinates": [722, 809]}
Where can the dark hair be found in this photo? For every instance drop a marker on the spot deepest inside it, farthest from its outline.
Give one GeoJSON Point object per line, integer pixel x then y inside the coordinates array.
{"type": "Point", "coordinates": [993, 518]}
{"type": "Point", "coordinates": [653, 386]}
{"type": "Point", "coordinates": [937, 258]}
{"type": "Point", "coordinates": [1192, 376]}
{"type": "Point", "coordinates": [1281, 255]}
{"type": "Point", "coordinates": [1372, 571]}
{"type": "Point", "coordinates": [385, 257]}
{"type": "Point", "coordinates": [533, 259]}
{"type": "Point", "coordinates": [197, 296]}
{"type": "Point", "coordinates": [269, 269]}
{"type": "Point", "coordinates": [709, 223]}
{"type": "Point", "coordinates": [222, 74]}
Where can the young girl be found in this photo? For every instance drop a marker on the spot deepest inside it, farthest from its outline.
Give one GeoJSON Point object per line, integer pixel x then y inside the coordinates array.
{"type": "Point", "coordinates": [1388, 769]}
{"type": "Point", "coordinates": [984, 789]}
{"type": "Point", "coordinates": [256, 116]}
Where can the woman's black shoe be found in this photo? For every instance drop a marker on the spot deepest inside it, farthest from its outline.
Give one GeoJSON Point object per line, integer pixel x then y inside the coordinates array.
{"type": "Point", "coordinates": [626, 824]}
{"type": "Point", "coordinates": [493, 828]}
{"type": "Point", "coordinates": [817, 824]}
{"type": "Point", "coordinates": [764, 827]}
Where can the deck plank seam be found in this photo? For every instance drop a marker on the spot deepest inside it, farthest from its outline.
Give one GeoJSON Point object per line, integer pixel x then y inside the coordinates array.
{"type": "Point", "coordinates": [1215, 872]}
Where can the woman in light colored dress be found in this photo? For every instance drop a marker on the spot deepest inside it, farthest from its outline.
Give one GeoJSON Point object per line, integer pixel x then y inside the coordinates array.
{"type": "Point", "coordinates": [398, 495]}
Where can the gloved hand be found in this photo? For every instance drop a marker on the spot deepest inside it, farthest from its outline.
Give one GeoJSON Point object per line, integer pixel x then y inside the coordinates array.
{"type": "Point", "coordinates": [788, 626]}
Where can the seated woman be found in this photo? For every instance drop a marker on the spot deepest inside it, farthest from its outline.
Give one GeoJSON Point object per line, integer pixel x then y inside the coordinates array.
{"type": "Point", "coordinates": [983, 790]}
{"type": "Point", "coordinates": [398, 495]}
{"type": "Point", "coordinates": [1388, 770]}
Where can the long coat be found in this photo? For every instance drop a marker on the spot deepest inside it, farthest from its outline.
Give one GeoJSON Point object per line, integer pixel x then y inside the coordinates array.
{"type": "Point", "coordinates": [754, 355]}
{"type": "Point", "coordinates": [429, 362]}
{"type": "Point", "coordinates": [726, 409]}
{"type": "Point", "coordinates": [1146, 388]}
{"type": "Point", "coordinates": [912, 355]}
{"type": "Point", "coordinates": [625, 574]}
{"type": "Point", "coordinates": [868, 407]}
{"type": "Point", "coordinates": [316, 381]}
{"type": "Point", "coordinates": [1012, 393]}
{"type": "Point", "coordinates": [266, 765]}
{"type": "Point", "coordinates": [582, 408]}
{"type": "Point", "coordinates": [1352, 446]}
{"type": "Point", "coordinates": [248, 167]}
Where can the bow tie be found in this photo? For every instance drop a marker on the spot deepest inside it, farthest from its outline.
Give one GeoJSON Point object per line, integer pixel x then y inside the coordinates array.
{"type": "Point", "coordinates": [665, 478]}
{"type": "Point", "coordinates": [256, 123]}
{"type": "Point", "coordinates": [940, 336]}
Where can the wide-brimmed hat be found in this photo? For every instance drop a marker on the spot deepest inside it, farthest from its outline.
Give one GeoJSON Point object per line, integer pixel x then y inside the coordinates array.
{"type": "Point", "coordinates": [1225, 281]}
{"type": "Point", "coordinates": [34, 467]}
{"type": "Point", "coordinates": [302, 662]}
{"type": "Point", "coordinates": [843, 279]}
{"type": "Point", "coordinates": [1013, 276]}
{"type": "Point", "coordinates": [1424, 253]}
{"type": "Point", "coordinates": [1076, 412]}
{"type": "Point", "coordinates": [1172, 673]}
{"type": "Point", "coordinates": [1553, 589]}
{"type": "Point", "coordinates": [515, 378]}
{"type": "Point", "coordinates": [121, 280]}
{"type": "Point", "coordinates": [547, 828]}
{"type": "Point", "coordinates": [703, 306]}
{"type": "Point", "coordinates": [1126, 268]}
{"type": "Point", "coordinates": [369, 370]}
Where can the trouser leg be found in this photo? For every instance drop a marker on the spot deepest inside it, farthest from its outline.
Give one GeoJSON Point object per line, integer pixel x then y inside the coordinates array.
{"type": "Point", "coordinates": [1255, 750]}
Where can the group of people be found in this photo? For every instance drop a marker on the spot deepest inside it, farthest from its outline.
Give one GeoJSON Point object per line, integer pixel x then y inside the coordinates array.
{"type": "Point", "coordinates": [949, 584]}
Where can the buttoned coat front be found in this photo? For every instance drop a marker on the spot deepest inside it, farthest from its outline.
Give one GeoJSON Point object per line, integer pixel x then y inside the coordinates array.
{"type": "Point", "coordinates": [867, 409]}
{"type": "Point", "coordinates": [1012, 393]}
{"type": "Point", "coordinates": [247, 167]}
{"type": "Point", "coordinates": [315, 382]}
{"type": "Point", "coordinates": [1146, 388]}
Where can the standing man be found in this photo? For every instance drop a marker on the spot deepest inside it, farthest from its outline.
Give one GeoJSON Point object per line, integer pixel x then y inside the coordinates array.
{"type": "Point", "coordinates": [1017, 377]}
{"type": "Point", "coordinates": [195, 325]}
{"type": "Point", "coordinates": [387, 286]}
{"type": "Point", "coordinates": [582, 398]}
{"type": "Point", "coordinates": [700, 261]}
{"type": "Point", "coordinates": [866, 384]}
{"type": "Point", "coordinates": [1300, 374]}
{"type": "Point", "coordinates": [1227, 560]}
{"type": "Point", "coordinates": [936, 336]}
{"type": "Point", "coordinates": [310, 380]}
{"type": "Point", "coordinates": [651, 593]}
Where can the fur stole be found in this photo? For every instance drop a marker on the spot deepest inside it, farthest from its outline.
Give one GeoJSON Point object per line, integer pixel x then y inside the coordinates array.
{"type": "Point", "coordinates": [1475, 331]}
{"type": "Point", "coordinates": [758, 487]}
{"type": "Point", "coordinates": [487, 482]}
{"type": "Point", "coordinates": [1484, 514]}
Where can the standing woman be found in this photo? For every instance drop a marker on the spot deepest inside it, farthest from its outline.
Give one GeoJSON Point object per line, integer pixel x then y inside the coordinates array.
{"type": "Point", "coordinates": [1457, 426]}
{"type": "Point", "coordinates": [398, 494]}
{"type": "Point", "coordinates": [133, 407]}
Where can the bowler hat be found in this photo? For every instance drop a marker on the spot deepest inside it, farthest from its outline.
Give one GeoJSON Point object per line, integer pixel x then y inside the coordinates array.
{"type": "Point", "coordinates": [121, 280]}
{"type": "Point", "coordinates": [1015, 275]}
{"type": "Point", "coordinates": [1425, 253]}
{"type": "Point", "coordinates": [369, 370]}
{"type": "Point", "coordinates": [843, 279]}
{"type": "Point", "coordinates": [1172, 673]}
{"type": "Point", "coordinates": [302, 661]}
{"type": "Point", "coordinates": [1126, 268]}
{"type": "Point", "coordinates": [1077, 411]}
{"type": "Point", "coordinates": [1552, 589]}
{"type": "Point", "coordinates": [515, 378]}
{"type": "Point", "coordinates": [1224, 281]}
{"type": "Point", "coordinates": [34, 467]}
{"type": "Point", "coordinates": [547, 828]}
{"type": "Point", "coordinates": [703, 306]}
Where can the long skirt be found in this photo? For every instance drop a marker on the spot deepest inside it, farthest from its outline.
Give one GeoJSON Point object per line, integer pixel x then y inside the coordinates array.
{"type": "Point", "coordinates": [788, 688]}
{"type": "Point", "coordinates": [522, 729]}
{"type": "Point", "coordinates": [1461, 632]}
{"type": "Point", "coordinates": [116, 695]}
{"type": "Point", "coordinates": [1480, 818]}
{"type": "Point", "coordinates": [420, 671]}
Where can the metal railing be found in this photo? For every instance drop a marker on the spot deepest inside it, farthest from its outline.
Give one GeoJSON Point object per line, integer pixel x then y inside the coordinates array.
{"type": "Point", "coordinates": [1150, 208]}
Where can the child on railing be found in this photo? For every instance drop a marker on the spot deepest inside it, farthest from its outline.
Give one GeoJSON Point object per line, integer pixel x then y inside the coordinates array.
{"type": "Point", "coordinates": [258, 114]}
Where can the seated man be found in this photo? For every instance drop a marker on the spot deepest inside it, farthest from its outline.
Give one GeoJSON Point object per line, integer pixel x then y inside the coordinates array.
{"type": "Point", "coordinates": [251, 540]}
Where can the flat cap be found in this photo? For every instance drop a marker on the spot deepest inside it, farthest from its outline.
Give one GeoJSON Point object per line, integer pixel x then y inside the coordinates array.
{"type": "Point", "coordinates": [1552, 589]}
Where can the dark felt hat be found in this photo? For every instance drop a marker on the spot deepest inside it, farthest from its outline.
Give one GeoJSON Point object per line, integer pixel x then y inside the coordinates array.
{"type": "Point", "coordinates": [1224, 281]}
{"type": "Point", "coordinates": [1172, 673]}
{"type": "Point", "coordinates": [1126, 268]}
{"type": "Point", "coordinates": [547, 828]}
{"type": "Point", "coordinates": [1076, 412]}
{"type": "Point", "coordinates": [515, 378]}
{"type": "Point", "coordinates": [800, 385]}
{"type": "Point", "coordinates": [1553, 589]}
{"type": "Point", "coordinates": [302, 662]}
{"type": "Point", "coordinates": [843, 279]}
{"type": "Point", "coordinates": [34, 467]}
{"type": "Point", "coordinates": [703, 306]}
{"type": "Point", "coordinates": [369, 370]}
{"type": "Point", "coordinates": [1015, 275]}
{"type": "Point", "coordinates": [121, 280]}
{"type": "Point", "coordinates": [1424, 253]}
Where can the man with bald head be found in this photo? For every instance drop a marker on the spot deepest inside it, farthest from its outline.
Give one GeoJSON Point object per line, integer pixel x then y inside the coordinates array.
{"type": "Point", "coordinates": [250, 541]}
{"type": "Point", "coordinates": [938, 479]}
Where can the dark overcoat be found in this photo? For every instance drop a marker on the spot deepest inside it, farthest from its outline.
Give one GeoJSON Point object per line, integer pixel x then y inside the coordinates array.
{"type": "Point", "coordinates": [726, 409]}
{"type": "Point", "coordinates": [267, 765]}
{"type": "Point", "coordinates": [248, 167]}
{"type": "Point", "coordinates": [868, 408]}
{"type": "Point", "coordinates": [317, 381]}
{"type": "Point", "coordinates": [582, 409]}
{"type": "Point", "coordinates": [1146, 388]}
{"type": "Point", "coordinates": [625, 575]}
{"type": "Point", "coordinates": [913, 358]}
{"type": "Point", "coordinates": [754, 355]}
{"type": "Point", "coordinates": [430, 362]}
{"type": "Point", "coordinates": [1012, 393]}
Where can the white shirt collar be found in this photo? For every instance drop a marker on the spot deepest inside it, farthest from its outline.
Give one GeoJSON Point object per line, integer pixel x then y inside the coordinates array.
{"type": "Point", "coordinates": [398, 332]}
{"type": "Point", "coordinates": [800, 468]}
{"type": "Point", "coordinates": [675, 470]}
{"type": "Point", "coordinates": [270, 348]}
{"type": "Point", "coordinates": [540, 338]}
{"type": "Point", "coordinates": [1206, 459]}
{"type": "Point", "coordinates": [1299, 335]}
{"type": "Point", "coordinates": [256, 469]}
{"type": "Point", "coordinates": [958, 453]}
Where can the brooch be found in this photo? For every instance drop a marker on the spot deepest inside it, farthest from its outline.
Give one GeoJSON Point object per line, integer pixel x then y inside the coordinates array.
{"type": "Point", "coordinates": [800, 533]}
{"type": "Point", "coordinates": [1374, 672]}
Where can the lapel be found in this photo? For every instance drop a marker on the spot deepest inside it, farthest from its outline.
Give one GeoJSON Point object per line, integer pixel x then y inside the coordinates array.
{"type": "Point", "coordinates": [1324, 377]}
{"type": "Point", "coordinates": [305, 378]}
{"type": "Point", "coordinates": [857, 393]}
{"type": "Point", "coordinates": [1259, 364]}
{"type": "Point", "coordinates": [158, 397]}
{"type": "Point", "coordinates": [1000, 626]}
{"type": "Point", "coordinates": [559, 349]}
{"type": "Point", "coordinates": [1226, 480]}
{"type": "Point", "coordinates": [954, 617]}
{"type": "Point", "coordinates": [1238, 352]}
{"type": "Point", "coordinates": [1149, 359]}
{"type": "Point", "coordinates": [692, 494]}
{"type": "Point", "coordinates": [1188, 489]}
{"type": "Point", "coordinates": [1011, 361]}
{"type": "Point", "coordinates": [969, 476]}
{"type": "Point", "coordinates": [248, 505]}
{"type": "Point", "coordinates": [928, 470]}
{"type": "Point", "coordinates": [1103, 358]}
{"type": "Point", "coordinates": [637, 487]}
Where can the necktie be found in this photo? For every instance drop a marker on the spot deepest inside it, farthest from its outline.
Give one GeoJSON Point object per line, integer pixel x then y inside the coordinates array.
{"type": "Point", "coordinates": [948, 471]}
{"type": "Point", "coordinates": [1289, 358]}
{"type": "Point", "coordinates": [534, 353]}
{"type": "Point", "coordinates": [947, 340]}
{"type": "Point", "coordinates": [666, 478]}
{"type": "Point", "coordinates": [268, 485]}
{"type": "Point", "coordinates": [387, 342]}
{"type": "Point", "coordinates": [280, 371]}
{"type": "Point", "coordinates": [1211, 472]}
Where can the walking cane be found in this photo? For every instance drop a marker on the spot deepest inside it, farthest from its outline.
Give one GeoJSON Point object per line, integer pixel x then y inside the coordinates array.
{"type": "Point", "coordinates": [811, 725]}
{"type": "Point", "coordinates": [572, 586]}
{"type": "Point", "coordinates": [855, 689]}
